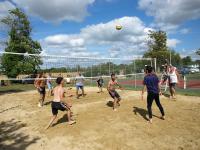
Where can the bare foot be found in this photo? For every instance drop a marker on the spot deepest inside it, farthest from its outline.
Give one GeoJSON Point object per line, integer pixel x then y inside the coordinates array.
{"type": "Point", "coordinates": [71, 122]}
{"type": "Point", "coordinates": [150, 121]}
{"type": "Point", "coordinates": [115, 109]}
{"type": "Point", "coordinates": [174, 98]}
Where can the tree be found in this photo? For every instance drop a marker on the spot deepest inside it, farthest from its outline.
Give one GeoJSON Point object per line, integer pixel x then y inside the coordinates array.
{"type": "Point", "coordinates": [20, 41]}
{"type": "Point", "coordinates": [158, 49]}
{"type": "Point", "coordinates": [198, 52]}
{"type": "Point", "coordinates": [187, 61]}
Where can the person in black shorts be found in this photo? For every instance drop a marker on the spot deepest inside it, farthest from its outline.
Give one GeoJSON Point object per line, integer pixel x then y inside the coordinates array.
{"type": "Point", "coordinates": [58, 102]}
{"type": "Point", "coordinates": [151, 82]}
{"type": "Point", "coordinates": [112, 91]}
{"type": "Point", "coordinates": [100, 84]}
{"type": "Point", "coordinates": [40, 84]}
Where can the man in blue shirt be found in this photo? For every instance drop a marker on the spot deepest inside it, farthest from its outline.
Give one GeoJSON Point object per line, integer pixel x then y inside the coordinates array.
{"type": "Point", "coordinates": [151, 83]}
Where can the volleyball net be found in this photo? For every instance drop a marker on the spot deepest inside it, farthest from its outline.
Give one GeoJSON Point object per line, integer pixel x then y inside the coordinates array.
{"type": "Point", "coordinates": [22, 67]}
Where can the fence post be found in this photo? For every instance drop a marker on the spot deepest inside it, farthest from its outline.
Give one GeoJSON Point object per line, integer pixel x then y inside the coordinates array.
{"type": "Point", "coordinates": [155, 64]}
{"type": "Point", "coordinates": [184, 82]}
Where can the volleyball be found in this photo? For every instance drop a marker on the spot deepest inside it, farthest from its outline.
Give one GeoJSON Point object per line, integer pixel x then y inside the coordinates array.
{"type": "Point", "coordinates": [118, 27]}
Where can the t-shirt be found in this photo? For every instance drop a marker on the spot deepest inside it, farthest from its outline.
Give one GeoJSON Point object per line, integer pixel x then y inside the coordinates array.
{"type": "Point", "coordinates": [49, 80]}
{"type": "Point", "coordinates": [68, 80]}
{"type": "Point", "coordinates": [151, 81]}
{"type": "Point", "coordinates": [100, 81]}
{"type": "Point", "coordinates": [79, 80]}
{"type": "Point", "coordinates": [172, 75]}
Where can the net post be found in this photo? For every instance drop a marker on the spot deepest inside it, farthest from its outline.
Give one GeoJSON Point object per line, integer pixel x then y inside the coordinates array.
{"type": "Point", "coordinates": [155, 64]}
{"type": "Point", "coordinates": [109, 66]}
{"type": "Point", "coordinates": [135, 74]}
{"type": "Point", "coordinates": [185, 83]}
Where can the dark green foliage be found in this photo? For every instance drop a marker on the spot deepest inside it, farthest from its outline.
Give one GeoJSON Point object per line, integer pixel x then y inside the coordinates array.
{"type": "Point", "coordinates": [19, 41]}
{"type": "Point", "coordinates": [158, 49]}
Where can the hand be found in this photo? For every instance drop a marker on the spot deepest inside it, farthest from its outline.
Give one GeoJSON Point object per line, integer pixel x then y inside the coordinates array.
{"type": "Point", "coordinates": [121, 88]}
{"type": "Point", "coordinates": [160, 93]}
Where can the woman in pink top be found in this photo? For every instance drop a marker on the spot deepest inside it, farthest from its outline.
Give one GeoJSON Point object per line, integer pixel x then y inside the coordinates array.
{"type": "Point", "coordinates": [58, 103]}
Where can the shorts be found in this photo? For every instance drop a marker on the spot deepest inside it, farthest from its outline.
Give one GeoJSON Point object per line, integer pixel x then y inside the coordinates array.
{"type": "Point", "coordinates": [49, 85]}
{"type": "Point", "coordinates": [172, 85]}
{"type": "Point", "coordinates": [55, 106]}
{"type": "Point", "coordinates": [114, 95]}
{"type": "Point", "coordinates": [100, 85]}
{"type": "Point", "coordinates": [79, 87]}
{"type": "Point", "coordinates": [42, 90]}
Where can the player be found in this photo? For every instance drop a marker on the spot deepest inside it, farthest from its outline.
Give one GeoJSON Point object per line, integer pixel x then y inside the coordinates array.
{"type": "Point", "coordinates": [112, 84]}
{"type": "Point", "coordinates": [58, 102]}
{"type": "Point", "coordinates": [40, 84]}
{"type": "Point", "coordinates": [100, 83]}
{"type": "Point", "coordinates": [151, 82]}
{"type": "Point", "coordinates": [49, 85]}
{"type": "Point", "coordinates": [173, 80]}
{"type": "Point", "coordinates": [79, 79]}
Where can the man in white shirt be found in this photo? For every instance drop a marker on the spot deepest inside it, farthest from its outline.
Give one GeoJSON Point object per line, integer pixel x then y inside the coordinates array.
{"type": "Point", "coordinates": [173, 77]}
{"type": "Point", "coordinates": [79, 84]}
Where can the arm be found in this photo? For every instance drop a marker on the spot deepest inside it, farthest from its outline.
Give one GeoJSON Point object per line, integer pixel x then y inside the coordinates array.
{"type": "Point", "coordinates": [120, 87]}
{"type": "Point", "coordinates": [143, 90]}
{"type": "Point", "coordinates": [178, 76]}
{"type": "Point", "coordinates": [108, 87]}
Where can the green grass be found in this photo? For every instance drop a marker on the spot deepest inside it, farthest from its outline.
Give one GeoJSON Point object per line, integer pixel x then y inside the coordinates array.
{"type": "Point", "coordinates": [14, 88]}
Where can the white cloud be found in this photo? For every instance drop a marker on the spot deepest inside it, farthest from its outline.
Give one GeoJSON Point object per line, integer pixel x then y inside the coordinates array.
{"type": "Point", "coordinates": [65, 40]}
{"type": "Point", "coordinates": [129, 41]}
{"type": "Point", "coordinates": [56, 10]}
{"type": "Point", "coordinates": [189, 52]}
{"type": "Point", "coordinates": [172, 43]}
{"type": "Point", "coordinates": [169, 14]}
{"type": "Point", "coordinates": [4, 7]}
{"type": "Point", "coordinates": [184, 31]}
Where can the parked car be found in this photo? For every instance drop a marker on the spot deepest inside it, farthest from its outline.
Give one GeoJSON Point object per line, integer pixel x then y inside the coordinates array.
{"type": "Point", "coordinates": [184, 71]}
{"type": "Point", "coordinates": [29, 79]}
{"type": "Point", "coordinates": [194, 70]}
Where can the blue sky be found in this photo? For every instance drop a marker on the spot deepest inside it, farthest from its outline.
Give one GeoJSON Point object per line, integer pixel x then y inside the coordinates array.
{"type": "Point", "coordinates": [87, 27]}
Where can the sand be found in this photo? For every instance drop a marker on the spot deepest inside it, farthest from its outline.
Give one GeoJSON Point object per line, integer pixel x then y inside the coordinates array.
{"type": "Point", "coordinates": [22, 124]}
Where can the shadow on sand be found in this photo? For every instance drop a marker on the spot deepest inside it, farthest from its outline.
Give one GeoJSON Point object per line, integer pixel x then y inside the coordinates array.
{"type": "Point", "coordinates": [109, 103]}
{"type": "Point", "coordinates": [142, 112]}
{"type": "Point", "coordinates": [12, 139]}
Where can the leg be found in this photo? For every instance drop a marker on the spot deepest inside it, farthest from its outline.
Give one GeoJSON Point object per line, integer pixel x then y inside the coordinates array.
{"type": "Point", "coordinates": [69, 114]}
{"type": "Point", "coordinates": [173, 91]}
{"type": "Point", "coordinates": [170, 90]}
{"type": "Point", "coordinates": [77, 96]}
{"type": "Point", "coordinates": [40, 100]}
{"type": "Point", "coordinates": [51, 121]}
{"type": "Point", "coordinates": [115, 104]}
{"type": "Point", "coordinates": [150, 99]}
{"type": "Point", "coordinates": [43, 97]}
{"type": "Point", "coordinates": [118, 98]}
{"type": "Point", "coordinates": [101, 89]}
{"type": "Point", "coordinates": [157, 99]}
{"type": "Point", "coordinates": [83, 92]}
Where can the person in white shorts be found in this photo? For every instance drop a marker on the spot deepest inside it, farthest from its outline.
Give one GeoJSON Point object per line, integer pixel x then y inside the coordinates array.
{"type": "Point", "coordinates": [79, 84]}
{"type": "Point", "coordinates": [173, 80]}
